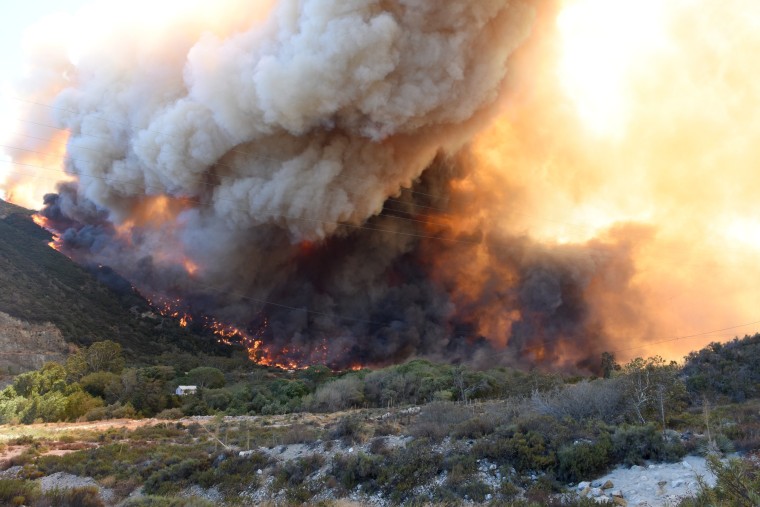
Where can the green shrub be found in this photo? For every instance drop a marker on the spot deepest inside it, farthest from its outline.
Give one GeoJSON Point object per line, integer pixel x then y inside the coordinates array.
{"type": "Point", "coordinates": [301, 434]}
{"type": "Point", "coordinates": [475, 490]}
{"type": "Point", "coordinates": [474, 428]}
{"type": "Point", "coordinates": [350, 430]}
{"type": "Point", "coordinates": [409, 467]}
{"type": "Point", "coordinates": [525, 451]}
{"type": "Point", "coordinates": [437, 420]}
{"type": "Point", "coordinates": [293, 473]}
{"type": "Point", "coordinates": [632, 445]}
{"type": "Point", "coordinates": [174, 477]}
{"type": "Point", "coordinates": [234, 473]}
{"type": "Point", "coordinates": [354, 469]}
{"type": "Point", "coordinates": [87, 496]}
{"type": "Point", "coordinates": [170, 414]}
{"type": "Point", "coordinates": [581, 460]}
{"type": "Point", "coordinates": [18, 492]}
{"type": "Point", "coordinates": [158, 501]}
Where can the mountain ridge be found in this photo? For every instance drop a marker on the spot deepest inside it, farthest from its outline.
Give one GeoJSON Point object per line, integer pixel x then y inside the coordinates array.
{"type": "Point", "coordinates": [43, 287]}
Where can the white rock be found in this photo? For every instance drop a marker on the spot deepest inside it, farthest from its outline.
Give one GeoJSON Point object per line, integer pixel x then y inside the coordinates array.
{"type": "Point", "coordinates": [583, 485]}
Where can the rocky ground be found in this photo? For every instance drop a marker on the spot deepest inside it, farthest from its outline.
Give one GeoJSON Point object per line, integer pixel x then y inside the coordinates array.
{"type": "Point", "coordinates": [652, 486]}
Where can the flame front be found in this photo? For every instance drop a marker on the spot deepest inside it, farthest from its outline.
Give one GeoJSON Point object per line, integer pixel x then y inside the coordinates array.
{"type": "Point", "coordinates": [45, 224]}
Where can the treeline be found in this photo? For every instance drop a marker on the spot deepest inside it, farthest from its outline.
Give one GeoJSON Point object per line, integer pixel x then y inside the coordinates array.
{"type": "Point", "coordinates": [729, 369]}
{"type": "Point", "coordinates": [95, 383]}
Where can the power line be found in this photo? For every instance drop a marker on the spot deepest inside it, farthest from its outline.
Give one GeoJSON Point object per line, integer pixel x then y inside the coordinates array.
{"type": "Point", "coordinates": [689, 336]}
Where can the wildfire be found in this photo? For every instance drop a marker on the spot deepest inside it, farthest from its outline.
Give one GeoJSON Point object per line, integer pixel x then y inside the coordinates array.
{"type": "Point", "coordinates": [41, 221]}
{"type": "Point", "coordinates": [258, 352]}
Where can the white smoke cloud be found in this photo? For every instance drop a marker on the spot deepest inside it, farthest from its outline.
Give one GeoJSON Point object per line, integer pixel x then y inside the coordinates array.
{"type": "Point", "coordinates": [309, 119]}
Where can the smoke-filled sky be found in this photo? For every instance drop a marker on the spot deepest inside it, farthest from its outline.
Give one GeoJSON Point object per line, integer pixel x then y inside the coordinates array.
{"type": "Point", "coordinates": [486, 180]}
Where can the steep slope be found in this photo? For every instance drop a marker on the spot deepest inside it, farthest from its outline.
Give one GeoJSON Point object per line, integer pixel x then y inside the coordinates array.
{"type": "Point", "coordinates": [40, 286]}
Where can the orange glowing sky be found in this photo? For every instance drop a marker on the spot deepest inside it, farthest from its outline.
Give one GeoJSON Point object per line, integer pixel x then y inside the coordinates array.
{"type": "Point", "coordinates": [642, 112]}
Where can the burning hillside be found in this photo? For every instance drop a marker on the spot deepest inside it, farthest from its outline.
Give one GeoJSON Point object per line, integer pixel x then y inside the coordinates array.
{"type": "Point", "coordinates": [362, 182]}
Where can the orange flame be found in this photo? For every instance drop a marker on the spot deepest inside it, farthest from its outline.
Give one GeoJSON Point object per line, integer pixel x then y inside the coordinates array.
{"type": "Point", "coordinates": [228, 334]}
{"type": "Point", "coordinates": [45, 224]}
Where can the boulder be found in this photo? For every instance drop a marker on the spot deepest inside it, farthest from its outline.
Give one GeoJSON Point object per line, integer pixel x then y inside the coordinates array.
{"type": "Point", "coordinates": [608, 485]}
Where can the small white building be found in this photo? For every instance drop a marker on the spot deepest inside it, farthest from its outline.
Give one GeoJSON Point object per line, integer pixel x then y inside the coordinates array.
{"type": "Point", "coordinates": [185, 390]}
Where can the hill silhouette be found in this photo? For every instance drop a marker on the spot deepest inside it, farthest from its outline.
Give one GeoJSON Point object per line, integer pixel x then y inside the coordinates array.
{"type": "Point", "coordinates": [41, 285]}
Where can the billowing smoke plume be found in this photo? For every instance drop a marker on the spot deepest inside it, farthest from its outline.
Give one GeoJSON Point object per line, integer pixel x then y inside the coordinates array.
{"type": "Point", "coordinates": [368, 181]}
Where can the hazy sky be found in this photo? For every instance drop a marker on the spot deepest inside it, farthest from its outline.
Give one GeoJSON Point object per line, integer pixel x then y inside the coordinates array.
{"type": "Point", "coordinates": [15, 17]}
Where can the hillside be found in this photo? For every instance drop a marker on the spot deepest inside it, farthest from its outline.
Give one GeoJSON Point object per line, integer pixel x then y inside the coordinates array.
{"type": "Point", "coordinates": [41, 286]}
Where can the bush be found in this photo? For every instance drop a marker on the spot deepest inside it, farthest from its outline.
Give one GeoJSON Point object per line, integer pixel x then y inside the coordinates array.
{"type": "Point", "coordinates": [87, 496]}
{"type": "Point", "coordinates": [172, 478]}
{"type": "Point", "coordinates": [350, 430]}
{"type": "Point", "coordinates": [582, 460]}
{"type": "Point", "coordinates": [409, 467]}
{"type": "Point", "coordinates": [475, 428]}
{"type": "Point", "coordinates": [437, 420]}
{"type": "Point", "coordinates": [354, 469]}
{"type": "Point", "coordinates": [294, 473]}
{"type": "Point", "coordinates": [632, 445]}
{"type": "Point", "coordinates": [600, 399]}
{"type": "Point", "coordinates": [337, 395]}
{"type": "Point", "coordinates": [158, 501]}
{"type": "Point", "coordinates": [18, 492]}
{"type": "Point", "coordinates": [170, 413]}
{"type": "Point", "coordinates": [300, 434]}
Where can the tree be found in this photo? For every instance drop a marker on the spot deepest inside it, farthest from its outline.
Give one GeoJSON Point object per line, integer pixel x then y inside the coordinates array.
{"type": "Point", "coordinates": [651, 386]}
{"type": "Point", "coordinates": [609, 364]}
{"type": "Point", "coordinates": [206, 377]}
{"type": "Point", "coordinates": [100, 356]}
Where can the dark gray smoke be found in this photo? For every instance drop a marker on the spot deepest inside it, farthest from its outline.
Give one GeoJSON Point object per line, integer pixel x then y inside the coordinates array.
{"type": "Point", "coordinates": [298, 173]}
